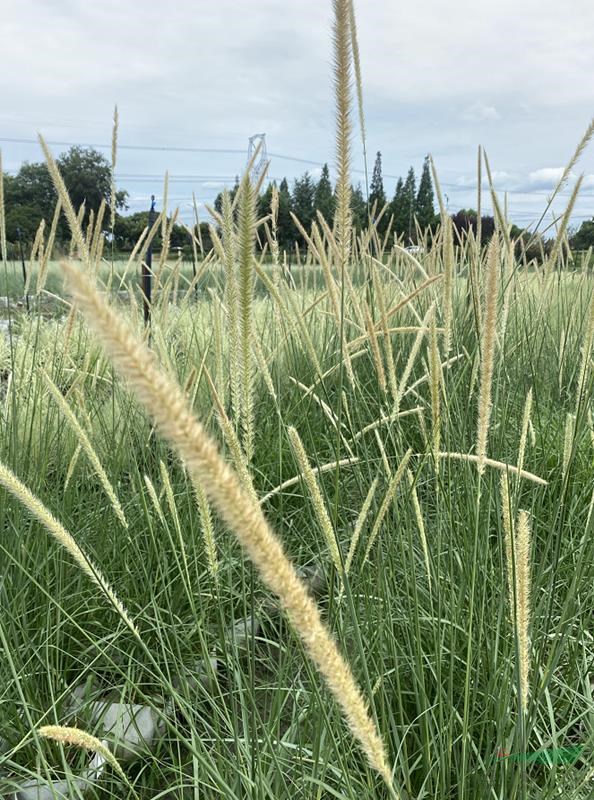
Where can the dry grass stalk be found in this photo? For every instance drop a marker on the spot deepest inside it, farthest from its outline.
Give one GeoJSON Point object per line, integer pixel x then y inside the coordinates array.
{"type": "Point", "coordinates": [524, 432]}
{"type": "Point", "coordinates": [435, 380]}
{"type": "Point", "coordinates": [36, 508]}
{"type": "Point", "coordinates": [71, 216]}
{"type": "Point", "coordinates": [205, 514]}
{"type": "Point", "coordinates": [487, 353]}
{"type": "Point", "coordinates": [386, 502]}
{"type": "Point", "coordinates": [361, 519]}
{"type": "Point", "coordinates": [448, 282]}
{"type": "Point", "coordinates": [343, 462]}
{"type": "Point", "coordinates": [522, 583]}
{"type": "Point", "coordinates": [386, 420]}
{"type": "Point", "coordinates": [231, 439]}
{"type": "Point", "coordinates": [508, 537]}
{"type": "Point", "coordinates": [500, 465]}
{"type": "Point", "coordinates": [84, 740]}
{"type": "Point", "coordinates": [412, 357]}
{"type": "Point", "coordinates": [567, 443]}
{"type": "Point", "coordinates": [47, 253]}
{"type": "Point", "coordinates": [342, 89]}
{"type": "Point", "coordinates": [420, 524]}
{"type": "Point", "coordinates": [170, 497]}
{"type": "Point", "coordinates": [317, 500]}
{"type": "Point", "coordinates": [383, 454]}
{"type": "Point", "coordinates": [245, 245]}
{"type": "Point", "coordinates": [166, 403]}
{"type": "Point", "coordinates": [114, 155]}
{"type": "Point", "coordinates": [380, 297]}
{"type": "Point", "coordinates": [375, 351]}
{"type": "Point", "coordinates": [87, 447]}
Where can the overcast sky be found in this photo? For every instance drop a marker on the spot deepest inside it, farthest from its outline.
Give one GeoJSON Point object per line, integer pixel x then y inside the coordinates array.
{"type": "Point", "coordinates": [516, 76]}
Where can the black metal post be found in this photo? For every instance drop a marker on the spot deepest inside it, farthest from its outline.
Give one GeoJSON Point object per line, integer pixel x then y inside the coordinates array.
{"type": "Point", "coordinates": [147, 267]}
{"type": "Point", "coordinates": [20, 241]}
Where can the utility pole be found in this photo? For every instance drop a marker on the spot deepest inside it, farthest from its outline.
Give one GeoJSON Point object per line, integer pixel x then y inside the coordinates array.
{"type": "Point", "coordinates": [258, 153]}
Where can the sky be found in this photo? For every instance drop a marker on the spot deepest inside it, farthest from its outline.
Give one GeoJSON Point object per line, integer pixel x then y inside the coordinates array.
{"type": "Point", "coordinates": [515, 77]}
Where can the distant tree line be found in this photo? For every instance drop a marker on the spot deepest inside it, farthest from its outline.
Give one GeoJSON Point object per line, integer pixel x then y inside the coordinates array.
{"type": "Point", "coordinates": [30, 196]}
{"type": "Point", "coordinates": [408, 209]}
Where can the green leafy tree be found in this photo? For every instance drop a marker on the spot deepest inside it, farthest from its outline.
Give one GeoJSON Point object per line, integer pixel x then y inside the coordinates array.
{"type": "Point", "coordinates": [24, 218]}
{"type": "Point", "coordinates": [583, 238]}
{"type": "Point", "coordinates": [324, 200]}
{"type": "Point", "coordinates": [87, 175]}
{"type": "Point", "coordinates": [425, 201]}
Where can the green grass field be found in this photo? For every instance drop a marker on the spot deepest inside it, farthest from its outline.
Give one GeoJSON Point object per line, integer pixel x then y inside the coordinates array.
{"type": "Point", "coordinates": [417, 432]}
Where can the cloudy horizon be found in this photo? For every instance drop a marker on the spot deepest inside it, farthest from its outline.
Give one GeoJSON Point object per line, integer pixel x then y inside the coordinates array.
{"type": "Point", "coordinates": [514, 78]}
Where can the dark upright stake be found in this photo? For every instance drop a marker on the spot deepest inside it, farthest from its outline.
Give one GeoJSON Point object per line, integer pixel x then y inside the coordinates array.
{"type": "Point", "coordinates": [18, 230]}
{"type": "Point", "coordinates": [147, 267]}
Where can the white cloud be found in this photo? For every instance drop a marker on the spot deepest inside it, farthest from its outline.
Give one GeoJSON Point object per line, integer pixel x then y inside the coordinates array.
{"type": "Point", "coordinates": [501, 180]}
{"type": "Point", "coordinates": [480, 112]}
{"type": "Point", "coordinates": [545, 178]}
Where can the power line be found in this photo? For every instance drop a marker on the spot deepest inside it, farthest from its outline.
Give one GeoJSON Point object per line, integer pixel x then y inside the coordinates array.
{"type": "Point", "coordinates": [142, 177]}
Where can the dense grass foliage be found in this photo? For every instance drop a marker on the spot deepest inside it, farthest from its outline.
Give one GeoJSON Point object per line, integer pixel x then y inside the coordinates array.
{"type": "Point", "coordinates": [429, 635]}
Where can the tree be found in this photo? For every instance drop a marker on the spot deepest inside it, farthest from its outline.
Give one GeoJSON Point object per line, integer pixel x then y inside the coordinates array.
{"type": "Point", "coordinates": [399, 209]}
{"type": "Point", "coordinates": [218, 203]}
{"type": "Point", "coordinates": [466, 219]}
{"type": "Point", "coordinates": [409, 204]}
{"type": "Point", "coordinates": [358, 208]}
{"type": "Point", "coordinates": [87, 176]}
{"type": "Point", "coordinates": [583, 238]}
{"type": "Point", "coordinates": [285, 227]}
{"type": "Point", "coordinates": [324, 200]}
{"type": "Point", "coordinates": [303, 203]}
{"type": "Point", "coordinates": [377, 195]}
{"type": "Point", "coordinates": [424, 204]}
{"type": "Point", "coordinates": [24, 218]}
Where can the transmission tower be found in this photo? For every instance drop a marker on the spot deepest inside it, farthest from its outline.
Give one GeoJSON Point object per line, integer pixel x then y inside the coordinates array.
{"type": "Point", "coordinates": [257, 151]}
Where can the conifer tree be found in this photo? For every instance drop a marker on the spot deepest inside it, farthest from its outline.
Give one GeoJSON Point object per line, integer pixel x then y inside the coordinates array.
{"type": "Point", "coordinates": [409, 205]}
{"type": "Point", "coordinates": [399, 209]}
{"type": "Point", "coordinates": [324, 200]}
{"type": "Point", "coordinates": [303, 203]}
{"type": "Point", "coordinates": [377, 194]}
{"type": "Point", "coordinates": [424, 205]}
{"type": "Point", "coordinates": [359, 208]}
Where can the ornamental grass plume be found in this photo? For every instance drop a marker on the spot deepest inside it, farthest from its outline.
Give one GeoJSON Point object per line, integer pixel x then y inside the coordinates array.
{"type": "Point", "coordinates": [2, 215]}
{"type": "Point", "coordinates": [524, 432]}
{"type": "Point", "coordinates": [167, 405]}
{"type": "Point", "coordinates": [317, 500]}
{"type": "Point", "coordinates": [389, 496]}
{"type": "Point", "coordinates": [36, 508]}
{"type": "Point", "coordinates": [522, 594]}
{"type": "Point", "coordinates": [79, 738]}
{"type": "Point", "coordinates": [487, 353]}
